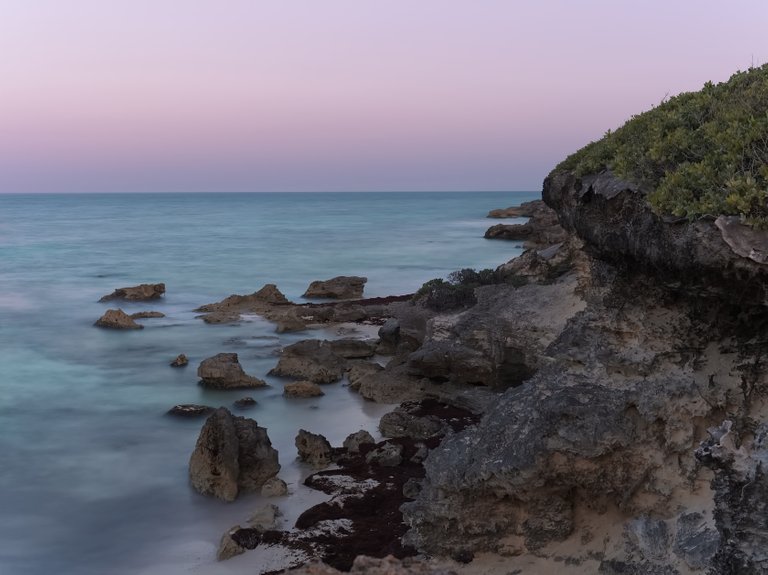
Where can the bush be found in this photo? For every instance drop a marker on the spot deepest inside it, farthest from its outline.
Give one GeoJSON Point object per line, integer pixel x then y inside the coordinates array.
{"type": "Point", "coordinates": [457, 292]}
{"type": "Point", "coordinates": [701, 153]}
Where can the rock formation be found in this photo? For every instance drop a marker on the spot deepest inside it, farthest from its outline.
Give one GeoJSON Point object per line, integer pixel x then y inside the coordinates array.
{"type": "Point", "coordinates": [143, 292]}
{"type": "Point", "coordinates": [147, 315]}
{"type": "Point", "coordinates": [180, 361]}
{"type": "Point", "coordinates": [232, 454]}
{"type": "Point", "coordinates": [313, 448]}
{"type": "Point", "coordinates": [354, 440]}
{"type": "Point", "coordinates": [312, 360]}
{"type": "Point", "coordinates": [340, 287]}
{"type": "Point", "coordinates": [117, 319]}
{"type": "Point", "coordinates": [302, 389]}
{"type": "Point", "coordinates": [375, 566]}
{"type": "Point", "coordinates": [223, 371]}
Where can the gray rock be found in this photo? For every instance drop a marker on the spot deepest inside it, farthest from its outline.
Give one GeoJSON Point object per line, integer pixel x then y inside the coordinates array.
{"type": "Point", "coordinates": [354, 440]}
{"type": "Point", "coordinates": [180, 361]}
{"type": "Point", "coordinates": [228, 547]}
{"type": "Point", "coordinates": [117, 319]}
{"type": "Point", "coordinates": [400, 423]}
{"type": "Point", "coordinates": [302, 389]}
{"type": "Point", "coordinates": [389, 336]}
{"type": "Point", "coordinates": [223, 371]}
{"type": "Point", "coordinates": [386, 455]}
{"type": "Point", "coordinates": [340, 287]}
{"type": "Point", "coordinates": [147, 315]}
{"type": "Point", "coordinates": [311, 360]}
{"type": "Point", "coordinates": [190, 410]}
{"type": "Point", "coordinates": [313, 448]}
{"type": "Point", "coordinates": [274, 487]}
{"type": "Point", "coordinates": [353, 348]}
{"type": "Point", "coordinates": [265, 517]}
{"type": "Point", "coordinates": [141, 292]}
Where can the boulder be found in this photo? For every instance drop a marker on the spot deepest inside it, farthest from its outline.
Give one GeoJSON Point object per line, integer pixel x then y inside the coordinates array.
{"type": "Point", "coordinates": [340, 287]}
{"type": "Point", "coordinates": [274, 487]}
{"type": "Point", "coordinates": [117, 319]}
{"type": "Point", "coordinates": [313, 448]}
{"type": "Point", "coordinates": [228, 547]}
{"type": "Point", "coordinates": [302, 389]}
{"type": "Point", "coordinates": [263, 301]}
{"type": "Point", "coordinates": [147, 315]}
{"type": "Point", "coordinates": [232, 454]}
{"type": "Point", "coordinates": [311, 360]}
{"type": "Point", "coordinates": [389, 337]}
{"type": "Point", "coordinates": [400, 423]}
{"type": "Point", "coordinates": [354, 440]}
{"type": "Point", "coordinates": [189, 410]}
{"type": "Point", "coordinates": [141, 292]}
{"type": "Point", "coordinates": [180, 361]}
{"type": "Point", "coordinates": [265, 517]}
{"type": "Point", "coordinates": [223, 371]}
{"type": "Point", "coordinates": [353, 348]}
{"type": "Point", "coordinates": [386, 455]}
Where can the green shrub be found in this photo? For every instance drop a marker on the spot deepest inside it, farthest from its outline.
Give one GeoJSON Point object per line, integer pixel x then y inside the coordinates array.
{"type": "Point", "coordinates": [458, 292]}
{"type": "Point", "coordinates": [701, 153]}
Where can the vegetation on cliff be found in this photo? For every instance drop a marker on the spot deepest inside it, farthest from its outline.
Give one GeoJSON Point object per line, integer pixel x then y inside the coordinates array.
{"type": "Point", "coordinates": [700, 153]}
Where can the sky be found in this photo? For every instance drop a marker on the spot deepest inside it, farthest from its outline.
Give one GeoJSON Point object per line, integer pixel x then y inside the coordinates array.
{"type": "Point", "coordinates": [340, 95]}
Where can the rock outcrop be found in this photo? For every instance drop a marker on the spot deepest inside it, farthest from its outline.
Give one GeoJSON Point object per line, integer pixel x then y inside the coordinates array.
{"type": "Point", "coordinates": [143, 292]}
{"type": "Point", "coordinates": [302, 389]}
{"type": "Point", "coordinates": [117, 319]}
{"type": "Point", "coordinates": [542, 228]}
{"type": "Point", "coordinates": [310, 359]}
{"type": "Point", "coordinates": [354, 441]}
{"type": "Point", "coordinates": [229, 309]}
{"type": "Point", "coordinates": [147, 315]}
{"type": "Point", "coordinates": [340, 287]}
{"type": "Point", "coordinates": [223, 371]}
{"type": "Point", "coordinates": [232, 454]}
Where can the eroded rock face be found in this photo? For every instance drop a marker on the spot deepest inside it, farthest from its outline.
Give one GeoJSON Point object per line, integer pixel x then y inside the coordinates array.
{"type": "Point", "coordinates": [312, 360]}
{"type": "Point", "coordinates": [542, 228]}
{"type": "Point", "coordinates": [232, 454]}
{"type": "Point", "coordinates": [117, 319]}
{"type": "Point", "coordinates": [143, 292]}
{"type": "Point", "coordinates": [313, 448]}
{"type": "Point", "coordinates": [223, 371]}
{"type": "Point", "coordinates": [340, 287]}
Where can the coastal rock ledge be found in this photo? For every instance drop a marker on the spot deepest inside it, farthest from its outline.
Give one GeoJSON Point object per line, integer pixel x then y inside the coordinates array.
{"type": "Point", "coordinates": [143, 292]}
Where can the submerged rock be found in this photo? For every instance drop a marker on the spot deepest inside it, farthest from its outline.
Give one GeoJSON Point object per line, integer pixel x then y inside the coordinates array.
{"type": "Point", "coordinates": [232, 454]}
{"type": "Point", "coordinates": [302, 389]}
{"type": "Point", "coordinates": [141, 292]}
{"type": "Point", "coordinates": [147, 315]}
{"type": "Point", "coordinates": [180, 361]}
{"type": "Point", "coordinates": [190, 410]}
{"type": "Point", "coordinates": [340, 287]}
{"type": "Point", "coordinates": [117, 319]}
{"type": "Point", "coordinates": [245, 402]}
{"type": "Point", "coordinates": [223, 371]}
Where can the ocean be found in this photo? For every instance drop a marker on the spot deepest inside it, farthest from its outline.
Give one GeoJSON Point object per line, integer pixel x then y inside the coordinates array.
{"type": "Point", "coordinates": [93, 474]}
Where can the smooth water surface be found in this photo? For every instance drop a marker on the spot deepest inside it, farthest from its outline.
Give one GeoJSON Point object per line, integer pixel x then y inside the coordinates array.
{"type": "Point", "coordinates": [93, 478]}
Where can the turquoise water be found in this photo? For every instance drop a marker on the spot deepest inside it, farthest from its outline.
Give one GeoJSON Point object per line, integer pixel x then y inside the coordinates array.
{"type": "Point", "coordinates": [93, 476]}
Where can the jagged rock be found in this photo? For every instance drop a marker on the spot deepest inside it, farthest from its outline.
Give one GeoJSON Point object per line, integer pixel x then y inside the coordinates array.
{"type": "Point", "coordinates": [274, 487]}
{"type": "Point", "coordinates": [517, 232]}
{"type": "Point", "coordinates": [340, 287]}
{"type": "Point", "coordinates": [245, 402]}
{"type": "Point", "coordinates": [117, 319]}
{"type": "Point", "coordinates": [141, 292]}
{"type": "Point", "coordinates": [353, 348]}
{"type": "Point", "coordinates": [524, 210]}
{"type": "Point", "coordinates": [229, 309]}
{"type": "Point", "coordinates": [354, 440]}
{"type": "Point", "coordinates": [265, 517]}
{"type": "Point", "coordinates": [542, 229]}
{"type": "Point", "coordinates": [313, 448]}
{"type": "Point", "coordinates": [223, 371]}
{"type": "Point", "coordinates": [232, 454]}
{"type": "Point", "coordinates": [389, 337]}
{"type": "Point", "coordinates": [180, 361]}
{"type": "Point", "coordinates": [302, 389]}
{"type": "Point", "coordinates": [147, 315]}
{"type": "Point", "coordinates": [359, 370]}
{"type": "Point", "coordinates": [386, 455]}
{"type": "Point", "coordinates": [228, 547]}
{"type": "Point", "coordinates": [190, 410]}
{"type": "Point", "coordinates": [375, 566]}
{"type": "Point", "coordinates": [400, 423]}
{"type": "Point", "coordinates": [312, 360]}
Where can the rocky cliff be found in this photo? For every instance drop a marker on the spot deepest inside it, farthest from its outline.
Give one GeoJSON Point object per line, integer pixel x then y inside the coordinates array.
{"type": "Point", "coordinates": [588, 461]}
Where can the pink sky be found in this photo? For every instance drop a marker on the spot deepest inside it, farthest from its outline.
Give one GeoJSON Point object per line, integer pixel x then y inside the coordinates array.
{"type": "Point", "coordinates": [287, 95]}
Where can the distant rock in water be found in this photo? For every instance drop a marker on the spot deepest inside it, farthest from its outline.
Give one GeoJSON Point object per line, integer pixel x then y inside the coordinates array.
{"type": "Point", "coordinates": [147, 315]}
{"type": "Point", "coordinates": [180, 361]}
{"type": "Point", "coordinates": [117, 319]}
{"type": "Point", "coordinates": [141, 292]}
{"type": "Point", "coordinates": [223, 371]}
{"type": "Point", "coordinates": [232, 454]}
{"type": "Point", "coordinates": [340, 287]}
{"type": "Point", "coordinates": [302, 389]}
{"type": "Point", "coordinates": [524, 210]}
{"type": "Point", "coordinates": [190, 410]}
{"type": "Point", "coordinates": [245, 403]}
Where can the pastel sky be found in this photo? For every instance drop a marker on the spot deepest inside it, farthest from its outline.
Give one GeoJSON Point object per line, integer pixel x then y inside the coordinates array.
{"type": "Point", "coordinates": [340, 95]}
